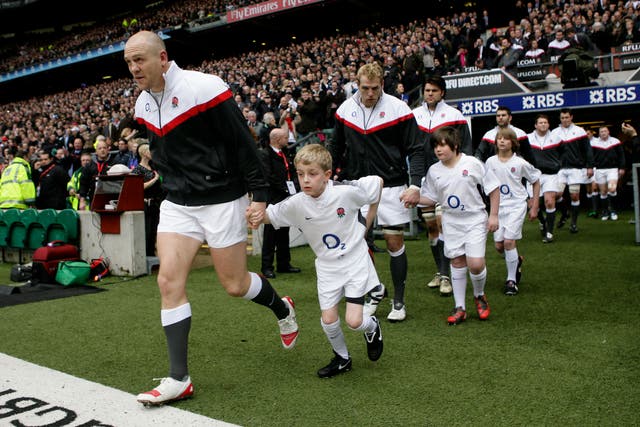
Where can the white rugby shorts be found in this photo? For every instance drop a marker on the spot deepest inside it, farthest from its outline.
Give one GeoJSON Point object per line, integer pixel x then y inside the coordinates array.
{"type": "Point", "coordinates": [603, 176]}
{"type": "Point", "coordinates": [351, 278]}
{"type": "Point", "coordinates": [391, 210]}
{"type": "Point", "coordinates": [220, 225]}
{"type": "Point", "coordinates": [466, 235]}
{"type": "Point", "coordinates": [510, 221]}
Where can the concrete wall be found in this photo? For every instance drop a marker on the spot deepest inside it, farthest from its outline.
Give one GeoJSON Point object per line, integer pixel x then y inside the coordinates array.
{"type": "Point", "coordinates": [125, 251]}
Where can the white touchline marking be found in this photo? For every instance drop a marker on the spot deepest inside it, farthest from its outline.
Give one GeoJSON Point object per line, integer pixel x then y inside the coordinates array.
{"type": "Point", "coordinates": [34, 395]}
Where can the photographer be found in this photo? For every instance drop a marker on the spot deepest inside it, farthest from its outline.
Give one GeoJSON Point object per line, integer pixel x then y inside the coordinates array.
{"type": "Point", "coordinates": [289, 118]}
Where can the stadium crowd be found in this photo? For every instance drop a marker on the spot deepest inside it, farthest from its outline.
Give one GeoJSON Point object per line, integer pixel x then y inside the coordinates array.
{"type": "Point", "coordinates": [307, 81]}
{"type": "Point", "coordinates": [35, 48]}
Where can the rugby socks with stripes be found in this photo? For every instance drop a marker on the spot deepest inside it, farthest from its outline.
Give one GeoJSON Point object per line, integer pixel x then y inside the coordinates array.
{"type": "Point", "coordinates": [177, 324]}
{"type": "Point", "coordinates": [261, 292]}
{"type": "Point", "coordinates": [398, 265]}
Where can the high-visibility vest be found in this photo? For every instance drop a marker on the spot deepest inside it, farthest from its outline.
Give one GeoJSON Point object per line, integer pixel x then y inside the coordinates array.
{"type": "Point", "coordinates": [17, 190]}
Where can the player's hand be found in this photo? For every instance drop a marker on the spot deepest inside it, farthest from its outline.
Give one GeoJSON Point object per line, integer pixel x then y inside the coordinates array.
{"type": "Point", "coordinates": [410, 197]}
{"type": "Point", "coordinates": [492, 224]}
{"type": "Point", "coordinates": [255, 214]}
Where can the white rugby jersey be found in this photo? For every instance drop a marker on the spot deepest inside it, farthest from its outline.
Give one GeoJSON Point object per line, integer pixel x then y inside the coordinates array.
{"type": "Point", "coordinates": [456, 188]}
{"type": "Point", "coordinates": [510, 174]}
{"type": "Point", "coordinates": [331, 223]}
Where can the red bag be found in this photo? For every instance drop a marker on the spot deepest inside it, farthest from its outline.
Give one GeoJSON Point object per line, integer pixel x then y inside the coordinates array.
{"type": "Point", "coordinates": [46, 259]}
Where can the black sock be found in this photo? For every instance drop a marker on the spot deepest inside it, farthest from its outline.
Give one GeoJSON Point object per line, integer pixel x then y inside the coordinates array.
{"type": "Point", "coordinates": [551, 220]}
{"type": "Point", "coordinates": [612, 206]}
{"type": "Point", "coordinates": [444, 267]}
{"type": "Point", "coordinates": [178, 342]}
{"type": "Point", "coordinates": [562, 206]}
{"type": "Point", "coordinates": [269, 298]}
{"type": "Point", "coordinates": [574, 214]}
{"type": "Point", "coordinates": [399, 276]}
{"type": "Point", "coordinates": [594, 202]}
{"type": "Point", "coordinates": [541, 217]}
{"type": "Point", "coordinates": [437, 255]}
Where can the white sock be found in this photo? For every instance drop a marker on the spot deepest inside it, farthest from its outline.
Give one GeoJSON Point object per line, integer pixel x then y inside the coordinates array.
{"type": "Point", "coordinates": [478, 281]}
{"type": "Point", "coordinates": [335, 336]}
{"type": "Point", "coordinates": [459, 284]}
{"type": "Point", "coordinates": [511, 259]}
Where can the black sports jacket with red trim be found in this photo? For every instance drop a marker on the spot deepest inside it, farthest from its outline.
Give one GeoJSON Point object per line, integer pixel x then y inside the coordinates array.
{"type": "Point", "coordinates": [199, 140]}
{"type": "Point", "coordinates": [378, 141]}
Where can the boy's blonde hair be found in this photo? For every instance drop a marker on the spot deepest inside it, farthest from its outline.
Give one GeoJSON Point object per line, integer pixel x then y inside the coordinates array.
{"type": "Point", "coordinates": [510, 134]}
{"type": "Point", "coordinates": [314, 153]}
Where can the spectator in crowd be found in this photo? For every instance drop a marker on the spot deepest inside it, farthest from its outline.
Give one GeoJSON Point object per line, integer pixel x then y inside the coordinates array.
{"type": "Point", "coordinates": [17, 189]}
{"type": "Point", "coordinates": [100, 165]}
{"type": "Point", "coordinates": [268, 124]}
{"type": "Point", "coordinates": [394, 135]}
{"type": "Point", "coordinates": [478, 51]}
{"type": "Point", "coordinates": [75, 154]}
{"type": "Point", "coordinates": [123, 155]}
{"type": "Point", "coordinates": [266, 105]}
{"type": "Point", "coordinates": [629, 33]}
{"type": "Point", "coordinates": [254, 124]}
{"type": "Point", "coordinates": [493, 48]}
{"type": "Point", "coordinates": [400, 93]}
{"type": "Point", "coordinates": [51, 183]}
{"type": "Point", "coordinates": [461, 60]}
{"type": "Point", "coordinates": [539, 37]}
{"type": "Point", "coordinates": [335, 97]}
{"type": "Point", "coordinates": [534, 52]}
{"type": "Point", "coordinates": [197, 204]}
{"type": "Point", "coordinates": [282, 180]}
{"type": "Point", "coordinates": [508, 56]}
{"type": "Point", "coordinates": [308, 111]}
{"type": "Point", "coordinates": [412, 70]}
{"type": "Point", "coordinates": [351, 87]}
{"type": "Point", "coordinates": [154, 194]}
{"type": "Point", "coordinates": [558, 45]}
{"type": "Point", "coordinates": [580, 40]}
{"type": "Point", "coordinates": [61, 157]}
{"type": "Point", "coordinates": [392, 73]}
{"type": "Point", "coordinates": [73, 186]}
{"type": "Point", "coordinates": [601, 38]}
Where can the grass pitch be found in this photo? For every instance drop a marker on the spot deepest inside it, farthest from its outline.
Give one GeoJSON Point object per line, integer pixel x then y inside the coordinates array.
{"type": "Point", "coordinates": [565, 351]}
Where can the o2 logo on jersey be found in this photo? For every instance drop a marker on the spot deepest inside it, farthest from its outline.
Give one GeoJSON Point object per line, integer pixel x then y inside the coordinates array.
{"type": "Point", "coordinates": [504, 189]}
{"type": "Point", "coordinates": [331, 241]}
{"type": "Point", "coordinates": [454, 202]}
{"type": "Point", "coordinates": [340, 212]}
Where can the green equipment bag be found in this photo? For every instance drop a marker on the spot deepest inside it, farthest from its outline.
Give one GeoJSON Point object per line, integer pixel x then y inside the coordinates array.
{"type": "Point", "coordinates": [73, 273]}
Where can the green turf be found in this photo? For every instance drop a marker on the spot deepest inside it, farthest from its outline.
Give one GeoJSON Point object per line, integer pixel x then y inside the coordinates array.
{"type": "Point", "coordinates": [565, 351]}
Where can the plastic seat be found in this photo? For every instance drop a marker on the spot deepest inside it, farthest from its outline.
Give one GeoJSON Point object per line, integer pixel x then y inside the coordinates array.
{"type": "Point", "coordinates": [18, 229]}
{"type": "Point", "coordinates": [9, 217]}
{"type": "Point", "coordinates": [17, 236]}
{"type": "Point", "coordinates": [46, 217]}
{"type": "Point", "coordinates": [36, 233]}
{"type": "Point", "coordinates": [69, 221]}
{"type": "Point", "coordinates": [4, 229]}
